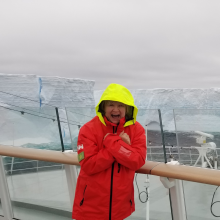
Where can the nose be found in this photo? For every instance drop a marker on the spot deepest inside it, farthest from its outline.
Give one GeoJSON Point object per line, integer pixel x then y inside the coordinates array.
{"type": "Point", "coordinates": [116, 108]}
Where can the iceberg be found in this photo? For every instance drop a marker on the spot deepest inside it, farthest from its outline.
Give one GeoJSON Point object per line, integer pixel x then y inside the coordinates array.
{"type": "Point", "coordinates": [182, 109]}
{"type": "Point", "coordinates": [28, 114]}
{"type": "Point", "coordinates": [41, 91]}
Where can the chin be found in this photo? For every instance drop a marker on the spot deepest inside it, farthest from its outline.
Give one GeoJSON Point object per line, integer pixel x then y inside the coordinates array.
{"type": "Point", "coordinates": [115, 122]}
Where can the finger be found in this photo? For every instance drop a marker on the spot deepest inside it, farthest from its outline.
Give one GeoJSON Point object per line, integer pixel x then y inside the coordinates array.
{"type": "Point", "coordinates": [121, 134]}
{"type": "Point", "coordinates": [126, 135]}
{"type": "Point", "coordinates": [105, 136]}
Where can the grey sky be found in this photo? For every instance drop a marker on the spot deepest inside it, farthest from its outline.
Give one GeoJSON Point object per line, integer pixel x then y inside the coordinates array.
{"type": "Point", "coordinates": [140, 44]}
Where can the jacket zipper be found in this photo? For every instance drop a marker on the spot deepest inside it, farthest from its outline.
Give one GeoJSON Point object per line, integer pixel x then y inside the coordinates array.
{"type": "Point", "coordinates": [111, 187]}
{"type": "Point", "coordinates": [119, 165]}
{"type": "Point", "coordinates": [83, 196]}
{"type": "Point", "coordinates": [110, 206]}
{"type": "Point", "coordinates": [115, 129]}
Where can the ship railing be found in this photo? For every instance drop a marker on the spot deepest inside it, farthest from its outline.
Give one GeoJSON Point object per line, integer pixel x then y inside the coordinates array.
{"type": "Point", "coordinates": [152, 156]}
{"type": "Point", "coordinates": [171, 176]}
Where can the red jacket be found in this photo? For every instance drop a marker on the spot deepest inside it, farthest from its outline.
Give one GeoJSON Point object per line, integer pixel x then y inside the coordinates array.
{"type": "Point", "coordinates": [104, 188]}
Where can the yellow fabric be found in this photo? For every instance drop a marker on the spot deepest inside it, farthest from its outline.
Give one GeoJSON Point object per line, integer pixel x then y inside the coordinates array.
{"type": "Point", "coordinates": [119, 93]}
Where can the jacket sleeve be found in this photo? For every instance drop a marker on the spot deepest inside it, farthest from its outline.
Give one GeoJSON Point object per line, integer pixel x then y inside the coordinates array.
{"type": "Point", "coordinates": [94, 160]}
{"type": "Point", "coordinates": [132, 156]}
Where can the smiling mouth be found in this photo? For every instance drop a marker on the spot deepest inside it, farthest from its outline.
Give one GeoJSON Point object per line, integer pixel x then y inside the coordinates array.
{"type": "Point", "coordinates": [115, 116]}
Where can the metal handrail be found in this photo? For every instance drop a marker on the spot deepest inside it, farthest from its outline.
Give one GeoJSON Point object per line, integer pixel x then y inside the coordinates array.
{"type": "Point", "coordinates": [149, 148]}
{"type": "Point", "coordinates": [194, 174]}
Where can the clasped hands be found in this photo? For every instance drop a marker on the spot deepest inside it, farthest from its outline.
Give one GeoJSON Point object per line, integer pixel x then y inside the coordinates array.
{"type": "Point", "coordinates": [124, 136]}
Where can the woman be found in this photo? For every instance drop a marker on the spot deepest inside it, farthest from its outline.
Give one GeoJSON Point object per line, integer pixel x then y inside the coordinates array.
{"type": "Point", "coordinates": [111, 147]}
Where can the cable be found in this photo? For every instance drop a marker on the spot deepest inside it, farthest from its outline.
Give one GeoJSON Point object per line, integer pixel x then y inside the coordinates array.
{"type": "Point", "coordinates": [39, 102]}
{"type": "Point", "coordinates": [26, 98]}
{"type": "Point", "coordinates": [38, 112]}
{"type": "Point", "coordinates": [139, 193]}
{"type": "Point", "coordinates": [22, 112]}
{"type": "Point", "coordinates": [212, 203]}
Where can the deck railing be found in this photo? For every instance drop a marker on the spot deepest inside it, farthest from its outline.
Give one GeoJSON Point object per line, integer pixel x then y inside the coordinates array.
{"type": "Point", "coordinates": [171, 176]}
{"type": "Point", "coordinates": [194, 174]}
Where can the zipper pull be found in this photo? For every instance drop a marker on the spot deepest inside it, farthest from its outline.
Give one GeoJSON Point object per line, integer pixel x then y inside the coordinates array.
{"type": "Point", "coordinates": [119, 167]}
{"type": "Point", "coordinates": [82, 202]}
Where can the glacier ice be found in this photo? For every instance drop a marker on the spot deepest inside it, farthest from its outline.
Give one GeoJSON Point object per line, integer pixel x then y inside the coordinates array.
{"type": "Point", "coordinates": [178, 101]}
{"type": "Point", "coordinates": [43, 94]}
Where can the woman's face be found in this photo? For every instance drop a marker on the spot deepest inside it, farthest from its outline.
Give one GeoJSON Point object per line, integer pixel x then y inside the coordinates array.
{"type": "Point", "coordinates": [114, 111]}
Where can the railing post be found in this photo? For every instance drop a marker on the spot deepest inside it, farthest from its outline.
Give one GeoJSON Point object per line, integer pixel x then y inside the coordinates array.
{"type": "Point", "coordinates": [71, 176]}
{"type": "Point", "coordinates": [177, 136]}
{"type": "Point", "coordinates": [162, 135]}
{"type": "Point", "coordinates": [4, 194]}
{"type": "Point", "coordinates": [176, 196]}
{"type": "Point", "coordinates": [148, 202]}
{"type": "Point", "coordinates": [177, 200]}
{"type": "Point", "coordinates": [59, 128]}
{"type": "Point", "coordinates": [147, 181]}
{"type": "Point", "coordinates": [12, 164]}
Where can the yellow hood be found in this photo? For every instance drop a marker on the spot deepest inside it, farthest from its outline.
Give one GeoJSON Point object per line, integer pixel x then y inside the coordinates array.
{"type": "Point", "coordinates": [119, 93]}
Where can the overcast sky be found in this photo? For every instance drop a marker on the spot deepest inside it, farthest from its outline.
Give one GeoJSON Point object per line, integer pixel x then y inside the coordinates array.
{"type": "Point", "coordinates": [139, 44]}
